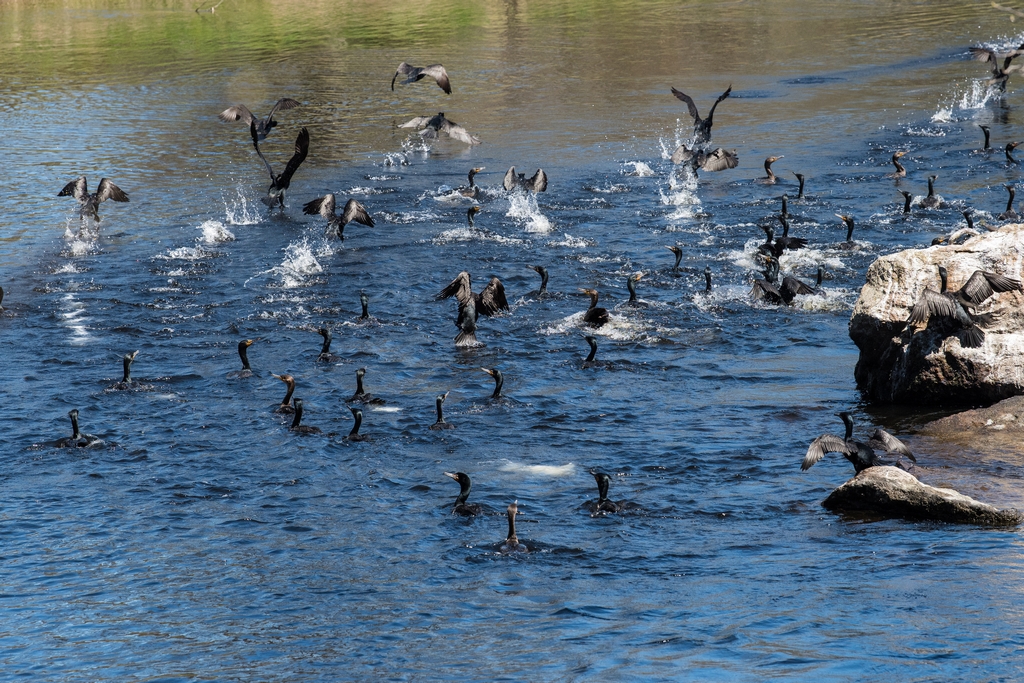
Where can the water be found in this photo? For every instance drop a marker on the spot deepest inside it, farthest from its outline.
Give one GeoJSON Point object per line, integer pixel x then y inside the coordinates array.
{"type": "Point", "coordinates": [211, 542]}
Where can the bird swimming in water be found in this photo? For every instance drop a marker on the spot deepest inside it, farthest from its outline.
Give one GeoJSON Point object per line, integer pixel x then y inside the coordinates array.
{"type": "Point", "coordinates": [537, 183]}
{"type": "Point", "coordinates": [861, 454]}
{"type": "Point", "coordinates": [285, 407]}
{"type": "Point", "coordinates": [353, 211]}
{"type": "Point", "coordinates": [126, 378]}
{"type": "Point", "coordinates": [432, 126]}
{"type": "Point", "coordinates": [849, 243]}
{"type": "Point", "coordinates": [263, 126]}
{"type": "Point", "coordinates": [901, 171]}
{"type": "Point", "coordinates": [361, 396]}
{"type": "Point", "coordinates": [603, 504]}
{"type": "Point", "coordinates": [297, 425]}
{"type": "Point", "coordinates": [489, 302]}
{"type": "Point", "coordinates": [1009, 214]}
{"type": "Point", "coordinates": [543, 272]}
{"type": "Point", "coordinates": [512, 544]}
{"type": "Point", "coordinates": [907, 199]}
{"type": "Point", "coordinates": [767, 288]}
{"type": "Point", "coordinates": [1, 298]}
{"type": "Point", "coordinates": [589, 361]}
{"type": "Point", "coordinates": [955, 306]}
{"type": "Point", "coordinates": [364, 301]}
{"type": "Point", "coordinates": [784, 212]}
{"type": "Point", "coordinates": [325, 355]}
{"type": "Point", "coordinates": [932, 201]}
{"type": "Point", "coordinates": [707, 280]}
{"type": "Point", "coordinates": [243, 353]}
{"type": "Point", "coordinates": [679, 257]}
{"type": "Point", "coordinates": [472, 191]}
{"type": "Point", "coordinates": [770, 178]}
{"type": "Point", "coordinates": [282, 181]}
{"type": "Point", "coordinates": [631, 286]}
{"type": "Point", "coordinates": [800, 179]}
{"type": "Point", "coordinates": [78, 439]}
{"type": "Point", "coordinates": [89, 203]}
{"type": "Point", "coordinates": [440, 423]}
{"type": "Point", "coordinates": [1010, 146]}
{"type": "Point", "coordinates": [465, 485]}
{"type": "Point", "coordinates": [354, 435]}
{"type": "Point", "coordinates": [777, 245]}
{"type": "Point", "coordinates": [499, 380]}
{"type": "Point", "coordinates": [418, 73]}
{"type": "Point", "coordinates": [985, 130]}
{"type": "Point", "coordinates": [596, 316]}
{"type": "Point", "coordinates": [701, 127]}
{"type": "Point", "coordinates": [471, 213]}
{"type": "Point", "coordinates": [717, 160]}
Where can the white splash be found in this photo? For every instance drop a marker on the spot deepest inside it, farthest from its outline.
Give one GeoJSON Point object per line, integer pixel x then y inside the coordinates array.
{"type": "Point", "coordinates": [540, 470]}
{"type": "Point", "coordinates": [299, 263]}
{"type": "Point", "coordinates": [241, 211]}
{"type": "Point", "coordinates": [215, 232]}
{"type": "Point", "coordinates": [572, 242]}
{"type": "Point", "coordinates": [467, 234]}
{"type": "Point", "coordinates": [195, 253]}
{"type": "Point", "coordinates": [638, 169]}
{"type": "Point", "coordinates": [523, 207]}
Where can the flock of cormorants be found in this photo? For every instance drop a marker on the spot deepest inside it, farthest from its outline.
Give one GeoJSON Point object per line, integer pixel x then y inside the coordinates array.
{"type": "Point", "coordinates": [698, 155]}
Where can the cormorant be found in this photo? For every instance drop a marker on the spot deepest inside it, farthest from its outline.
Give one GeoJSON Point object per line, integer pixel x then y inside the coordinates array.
{"type": "Point", "coordinates": [282, 181]}
{"type": "Point", "coordinates": [717, 160]}
{"type": "Point", "coordinates": [499, 380]}
{"type": "Point", "coordinates": [353, 211]}
{"type": "Point", "coordinates": [243, 347]}
{"type": "Point", "coordinates": [417, 73]}
{"type": "Point", "coordinates": [907, 199]}
{"type": "Point", "coordinates": [471, 213]}
{"type": "Point", "coordinates": [537, 183]}
{"type": "Point", "coordinates": [488, 302]}
{"type": "Point", "coordinates": [512, 544]}
{"type": "Point", "coordinates": [770, 178]}
{"type": "Point", "coordinates": [297, 427]}
{"type": "Point", "coordinates": [849, 243]}
{"type": "Point", "coordinates": [1009, 214]}
{"type": "Point", "coordinates": [354, 435]}
{"type": "Point", "coordinates": [800, 179]}
{"type": "Point", "coordinates": [543, 272]}
{"type": "Point", "coordinates": [440, 423]}
{"type": "Point", "coordinates": [603, 505]}
{"type": "Point", "coordinates": [1001, 67]}
{"type": "Point", "coordinates": [931, 201]}
{"type": "Point", "coordinates": [78, 439]}
{"type": "Point", "coordinates": [679, 257]}
{"type": "Point", "coordinates": [325, 351]}
{"type": "Point", "coordinates": [861, 454]}
{"type": "Point", "coordinates": [953, 306]}
{"type": "Point", "coordinates": [707, 280]}
{"type": "Point", "coordinates": [433, 125]}
{"type": "Point", "coordinates": [89, 203]}
{"type": "Point", "coordinates": [818, 289]}
{"type": "Point", "coordinates": [1, 298]}
{"type": "Point", "coordinates": [473, 190]}
{"type": "Point", "coordinates": [984, 129]}
{"type": "Point", "coordinates": [1010, 146]}
{"type": "Point", "coordinates": [263, 126]}
{"type": "Point", "coordinates": [787, 242]}
{"type": "Point", "coordinates": [361, 396]}
{"type": "Point", "coordinates": [465, 485]}
{"type": "Point", "coordinates": [701, 127]}
{"type": "Point", "coordinates": [595, 316]}
{"type": "Point", "coordinates": [285, 406]}
{"type": "Point", "coordinates": [769, 289]}
{"type": "Point", "coordinates": [785, 207]}
{"type": "Point", "coordinates": [590, 361]}
{"type": "Point", "coordinates": [126, 379]}
{"type": "Point", "coordinates": [364, 301]}
{"type": "Point", "coordinates": [900, 172]}
{"type": "Point", "coordinates": [631, 286]}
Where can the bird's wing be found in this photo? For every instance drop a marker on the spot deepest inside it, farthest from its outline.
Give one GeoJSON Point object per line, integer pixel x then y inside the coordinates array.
{"type": "Point", "coordinates": [78, 188]}
{"type": "Point", "coordinates": [301, 150]}
{"type": "Point", "coordinates": [354, 211]}
{"type": "Point", "coordinates": [256, 144]}
{"type": "Point", "coordinates": [509, 183]}
{"type": "Point", "coordinates": [318, 206]}
{"type": "Point", "coordinates": [492, 299]}
{"type": "Point", "coordinates": [417, 122]}
{"type": "Point", "coordinates": [402, 69]}
{"type": "Point", "coordinates": [891, 443]}
{"type": "Point", "coordinates": [931, 303]}
{"type": "Point", "coordinates": [239, 111]}
{"type": "Point", "coordinates": [282, 104]}
{"type": "Point", "coordinates": [793, 286]}
{"type": "Point", "coordinates": [681, 154]}
{"type": "Point", "coordinates": [437, 72]}
{"type": "Point", "coordinates": [539, 181]}
{"type": "Point", "coordinates": [108, 190]}
{"type": "Point", "coordinates": [456, 131]}
{"type": "Point", "coordinates": [719, 160]}
{"type": "Point", "coordinates": [983, 54]}
{"type": "Point", "coordinates": [689, 103]}
{"type": "Point", "coordinates": [720, 98]}
{"type": "Point", "coordinates": [459, 288]}
{"type": "Point", "coordinates": [981, 285]}
{"type": "Point", "coordinates": [765, 291]}
{"type": "Point", "coordinates": [826, 443]}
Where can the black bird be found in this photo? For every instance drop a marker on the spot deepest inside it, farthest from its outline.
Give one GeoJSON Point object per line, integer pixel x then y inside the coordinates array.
{"type": "Point", "coordinates": [325, 351]}
{"type": "Point", "coordinates": [984, 129]}
{"type": "Point", "coordinates": [361, 396]}
{"type": "Point", "coordinates": [440, 423]}
{"type": "Point", "coordinates": [679, 257]}
{"type": "Point", "coordinates": [849, 243]}
{"type": "Point", "coordinates": [590, 361]}
{"type": "Point", "coordinates": [286, 407]}
{"type": "Point", "coordinates": [717, 160]}
{"type": "Point", "coordinates": [512, 544]}
{"type": "Point", "coordinates": [489, 302]}
{"type": "Point", "coordinates": [126, 379]}
{"type": "Point", "coordinates": [282, 181]}
{"type": "Point", "coordinates": [818, 289]}
{"type": "Point", "coordinates": [954, 306]}
{"type": "Point", "coordinates": [243, 348]}
{"type": "Point", "coordinates": [1010, 146]}
{"type": "Point", "coordinates": [471, 213]}
{"type": "Point", "coordinates": [499, 380]}
{"type": "Point", "coordinates": [701, 127]}
{"type": "Point", "coordinates": [707, 280]}
{"type": "Point", "coordinates": [603, 504]}
{"type": "Point", "coordinates": [466, 322]}
{"type": "Point", "coordinates": [785, 207]}
{"type": "Point", "coordinates": [1009, 214]}
{"type": "Point", "coordinates": [89, 203]}
{"type": "Point", "coordinates": [770, 178]}
{"type": "Point", "coordinates": [769, 289]}
{"type": "Point", "coordinates": [770, 247]}
{"type": "Point", "coordinates": [907, 199]}
{"type": "Point", "coordinates": [354, 435]}
{"type": "Point", "coordinates": [418, 73]}
{"type": "Point", "coordinates": [861, 454]}
{"type": "Point", "coordinates": [353, 211]}
{"type": "Point", "coordinates": [472, 190]}
{"type": "Point", "coordinates": [465, 485]}
{"type": "Point", "coordinates": [800, 179]}
{"type": "Point", "coordinates": [78, 439]}
{"type": "Point", "coordinates": [433, 125]}
{"type": "Point", "coordinates": [787, 242]}
{"type": "Point", "coordinates": [297, 427]}
{"type": "Point", "coordinates": [595, 316]}
{"type": "Point", "coordinates": [1, 298]}
{"type": "Point", "coordinates": [932, 201]}
{"type": "Point", "coordinates": [537, 183]}
{"type": "Point", "coordinates": [631, 286]}
{"type": "Point", "coordinates": [1001, 64]}
{"type": "Point", "coordinates": [543, 272]}
{"type": "Point", "coordinates": [364, 301]}
{"type": "Point", "coordinates": [263, 126]}
{"type": "Point", "coordinates": [900, 172]}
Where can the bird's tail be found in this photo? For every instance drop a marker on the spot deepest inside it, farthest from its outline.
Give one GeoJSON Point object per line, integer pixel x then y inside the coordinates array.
{"type": "Point", "coordinates": [466, 339]}
{"type": "Point", "coordinates": [972, 337]}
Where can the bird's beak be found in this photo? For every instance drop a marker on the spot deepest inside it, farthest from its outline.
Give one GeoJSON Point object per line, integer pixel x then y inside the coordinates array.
{"type": "Point", "coordinates": [249, 342]}
{"type": "Point", "coordinates": [488, 371]}
{"type": "Point", "coordinates": [452, 475]}
{"type": "Point", "coordinates": [639, 277]}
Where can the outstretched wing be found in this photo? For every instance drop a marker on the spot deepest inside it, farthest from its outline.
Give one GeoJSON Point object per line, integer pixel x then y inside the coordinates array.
{"type": "Point", "coordinates": [456, 131]}
{"type": "Point", "coordinates": [682, 153]}
{"type": "Point", "coordinates": [826, 443]}
{"type": "Point", "coordinates": [509, 182]}
{"type": "Point", "coordinates": [239, 111]}
{"type": "Point", "coordinates": [721, 97]}
{"type": "Point", "coordinates": [256, 143]}
{"type": "Point", "coordinates": [301, 150]}
{"type": "Point", "coordinates": [354, 211]}
{"type": "Point", "coordinates": [981, 285]}
{"type": "Point", "coordinates": [417, 122]}
{"type": "Point", "coordinates": [77, 188]}
{"type": "Point", "coordinates": [765, 291]}
{"type": "Point", "coordinates": [403, 69]}
{"type": "Point", "coordinates": [437, 72]}
{"type": "Point", "coordinates": [983, 54]}
{"type": "Point", "coordinates": [890, 443]}
{"type": "Point", "coordinates": [321, 205]}
{"type": "Point", "coordinates": [492, 299]}
{"type": "Point", "coordinates": [539, 181]}
{"type": "Point", "coordinates": [719, 160]}
{"type": "Point", "coordinates": [108, 190]}
{"type": "Point", "coordinates": [932, 303]}
{"type": "Point", "coordinates": [689, 103]}
{"type": "Point", "coordinates": [282, 104]}
{"type": "Point", "coordinates": [792, 286]}
{"type": "Point", "coordinates": [459, 288]}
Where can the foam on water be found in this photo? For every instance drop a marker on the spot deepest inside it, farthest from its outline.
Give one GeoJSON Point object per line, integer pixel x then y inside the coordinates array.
{"type": "Point", "coordinates": [195, 253]}
{"type": "Point", "coordinates": [638, 169]}
{"type": "Point", "coordinates": [566, 470]}
{"type": "Point", "coordinates": [523, 208]}
{"type": "Point", "coordinates": [242, 210]}
{"type": "Point", "coordinates": [468, 234]}
{"type": "Point", "coordinates": [298, 265]}
{"type": "Point", "coordinates": [215, 232]}
{"type": "Point", "coordinates": [572, 242]}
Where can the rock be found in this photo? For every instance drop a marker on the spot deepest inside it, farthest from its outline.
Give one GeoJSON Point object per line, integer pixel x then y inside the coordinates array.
{"type": "Point", "coordinates": [1005, 415]}
{"type": "Point", "coordinates": [891, 492]}
{"type": "Point", "coordinates": [901, 364]}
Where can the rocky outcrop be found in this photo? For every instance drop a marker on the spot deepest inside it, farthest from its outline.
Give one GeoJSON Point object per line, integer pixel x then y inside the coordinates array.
{"type": "Point", "coordinates": [905, 364]}
{"type": "Point", "coordinates": [891, 492]}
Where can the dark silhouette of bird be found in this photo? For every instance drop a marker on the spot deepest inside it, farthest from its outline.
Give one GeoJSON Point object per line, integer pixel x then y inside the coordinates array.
{"type": "Point", "coordinates": [701, 127]}
{"type": "Point", "coordinates": [353, 211]}
{"type": "Point", "coordinates": [431, 126]}
{"type": "Point", "coordinates": [263, 126]}
{"type": "Point", "coordinates": [89, 203]}
{"type": "Point", "coordinates": [282, 181]}
{"type": "Point", "coordinates": [418, 73]}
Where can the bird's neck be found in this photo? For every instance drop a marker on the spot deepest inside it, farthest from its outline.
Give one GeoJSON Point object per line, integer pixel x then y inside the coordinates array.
{"type": "Point", "coordinates": [359, 385]}
{"type": "Point", "coordinates": [127, 372]}
{"type": "Point", "coordinates": [75, 434]}
{"type": "Point", "coordinates": [243, 354]}
{"type": "Point", "coordinates": [288, 396]}
{"type": "Point", "coordinates": [512, 538]}
{"type": "Point", "coordinates": [602, 490]}
{"type": "Point", "coordinates": [848, 421]}
{"type": "Point", "coordinates": [440, 412]}
{"type": "Point", "coordinates": [498, 381]}
{"type": "Point", "coordinates": [849, 231]}
{"type": "Point", "coordinates": [593, 352]}
{"type": "Point", "coordinates": [297, 420]}
{"type": "Point", "coordinates": [463, 492]}
{"type": "Point", "coordinates": [326, 348]}
{"type": "Point", "coordinates": [355, 428]}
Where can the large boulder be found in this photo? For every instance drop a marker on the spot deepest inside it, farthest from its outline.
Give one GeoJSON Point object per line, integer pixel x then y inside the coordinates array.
{"type": "Point", "coordinates": [903, 364]}
{"type": "Point", "coordinates": [891, 492]}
